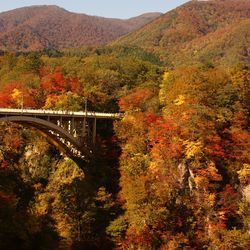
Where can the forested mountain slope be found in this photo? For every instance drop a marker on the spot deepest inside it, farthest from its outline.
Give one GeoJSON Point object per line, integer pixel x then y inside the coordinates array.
{"type": "Point", "coordinates": [198, 30]}
{"type": "Point", "coordinates": [38, 27]}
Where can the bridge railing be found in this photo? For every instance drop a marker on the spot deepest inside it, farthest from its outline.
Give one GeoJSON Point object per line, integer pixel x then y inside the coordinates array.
{"type": "Point", "coordinates": [60, 112]}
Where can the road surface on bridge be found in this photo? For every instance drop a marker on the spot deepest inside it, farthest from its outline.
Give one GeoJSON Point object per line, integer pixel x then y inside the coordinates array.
{"type": "Point", "coordinates": [61, 113]}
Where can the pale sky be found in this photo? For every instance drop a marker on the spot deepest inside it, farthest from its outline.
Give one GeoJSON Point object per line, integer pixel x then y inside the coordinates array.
{"type": "Point", "coordinates": [105, 8]}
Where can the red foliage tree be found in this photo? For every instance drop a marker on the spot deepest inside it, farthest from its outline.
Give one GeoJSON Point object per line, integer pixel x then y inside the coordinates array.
{"type": "Point", "coordinates": [26, 94]}
{"type": "Point", "coordinates": [136, 99]}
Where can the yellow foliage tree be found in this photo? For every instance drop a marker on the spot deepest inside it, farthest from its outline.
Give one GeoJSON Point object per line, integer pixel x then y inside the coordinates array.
{"type": "Point", "coordinates": [16, 96]}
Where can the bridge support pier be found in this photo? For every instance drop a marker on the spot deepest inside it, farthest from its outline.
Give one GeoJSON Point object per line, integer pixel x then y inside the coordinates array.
{"type": "Point", "coordinates": [94, 131]}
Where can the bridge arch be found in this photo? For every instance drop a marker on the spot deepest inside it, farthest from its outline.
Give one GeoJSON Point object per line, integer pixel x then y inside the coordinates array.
{"type": "Point", "coordinates": [58, 136]}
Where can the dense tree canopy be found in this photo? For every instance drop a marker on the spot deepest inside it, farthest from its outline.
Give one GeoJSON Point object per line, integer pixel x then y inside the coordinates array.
{"type": "Point", "coordinates": [174, 173]}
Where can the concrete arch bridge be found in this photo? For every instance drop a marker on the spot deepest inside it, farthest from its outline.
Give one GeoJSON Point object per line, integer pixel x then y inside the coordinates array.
{"type": "Point", "coordinates": [73, 133]}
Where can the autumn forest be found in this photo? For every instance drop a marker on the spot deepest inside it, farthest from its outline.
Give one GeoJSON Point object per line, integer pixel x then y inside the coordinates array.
{"type": "Point", "coordinates": [173, 173]}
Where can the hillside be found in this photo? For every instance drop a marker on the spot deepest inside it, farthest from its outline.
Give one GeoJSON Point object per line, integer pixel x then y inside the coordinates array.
{"type": "Point", "coordinates": [197, 30]}
{"type": "Point", "coordinates": [37, 27]}
{"type": "Point", "coordinates": [173, 172]}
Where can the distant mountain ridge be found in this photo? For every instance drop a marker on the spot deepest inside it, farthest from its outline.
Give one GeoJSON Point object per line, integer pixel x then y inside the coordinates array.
{"type": "Point", "coordinates": [217, 30]}
{"type": "Point", "coordinates": [49, 26]}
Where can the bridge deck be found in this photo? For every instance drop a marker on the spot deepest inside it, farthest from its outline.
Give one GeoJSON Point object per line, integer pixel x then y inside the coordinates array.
{"type": "Point", "coordinates": [61, 113]}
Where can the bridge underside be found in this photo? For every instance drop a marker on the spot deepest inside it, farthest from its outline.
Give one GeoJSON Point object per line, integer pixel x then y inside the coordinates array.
{"type": "Point", "coordinates": [74, 138]}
